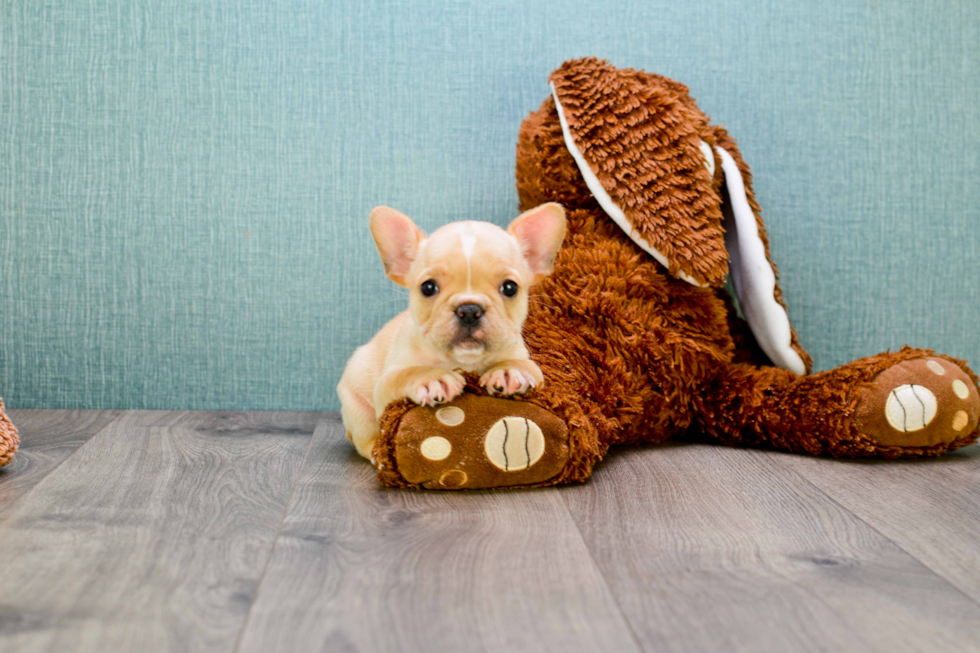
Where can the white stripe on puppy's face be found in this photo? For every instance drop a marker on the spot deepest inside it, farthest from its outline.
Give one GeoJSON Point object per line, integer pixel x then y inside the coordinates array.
{"type": "Point", "coordinates": [469, 243]}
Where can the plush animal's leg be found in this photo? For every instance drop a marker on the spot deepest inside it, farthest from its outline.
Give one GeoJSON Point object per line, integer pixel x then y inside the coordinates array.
{"type": "Point", "coordinates": [905, 404]}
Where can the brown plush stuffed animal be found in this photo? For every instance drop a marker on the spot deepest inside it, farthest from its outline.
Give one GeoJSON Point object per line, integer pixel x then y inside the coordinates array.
{"type": "Point", "coordinates": [8, 438]}
{"type": "Point", "coordinates": [636, 337]}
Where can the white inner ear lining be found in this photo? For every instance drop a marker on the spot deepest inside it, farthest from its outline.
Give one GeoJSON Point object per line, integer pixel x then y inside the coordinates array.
{"type": "Point", "coordinates": [752, 275]}
{"type": "Point", "coordinates": [709, 158]}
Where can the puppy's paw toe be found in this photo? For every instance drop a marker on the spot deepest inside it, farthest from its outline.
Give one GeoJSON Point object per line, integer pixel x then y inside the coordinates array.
{"type": "Point", "coordinates": [436, 391]}
{"type": "Point", "coordinates": [454, 384]}
{"type": "Point", "coordinates": [494, 381]}
{"type": "Point", "coordinates": [507, 381]}
{"type": "Point", "coordinates": [519, 382]}
{"type": "Point", "coordinates": [419, 394]}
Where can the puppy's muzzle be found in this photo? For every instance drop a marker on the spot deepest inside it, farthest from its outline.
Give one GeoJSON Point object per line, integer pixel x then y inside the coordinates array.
{"type": "Point", "coordinates": [469, 314]}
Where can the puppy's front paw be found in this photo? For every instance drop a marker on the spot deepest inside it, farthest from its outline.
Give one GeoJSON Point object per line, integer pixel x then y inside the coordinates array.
{"type": "Point", "coordinates": [437, 390]}
{"type": "Point", "coordinates": [511, 379]}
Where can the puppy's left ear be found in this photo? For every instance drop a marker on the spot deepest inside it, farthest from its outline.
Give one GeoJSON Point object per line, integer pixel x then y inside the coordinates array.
{"type": "Point", "coordinates": [540, 233]}
{"type": "Point", "coordinates": [397, 239]}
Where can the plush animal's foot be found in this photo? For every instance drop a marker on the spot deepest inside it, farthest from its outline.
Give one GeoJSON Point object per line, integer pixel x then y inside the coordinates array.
{"type": "Point", "coordinates": [919, 403]}
{"type": "Point", "coordinates": [480, 442]}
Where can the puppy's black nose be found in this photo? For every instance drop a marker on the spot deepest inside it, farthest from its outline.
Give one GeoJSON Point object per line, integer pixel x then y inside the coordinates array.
{"type": "Point", "coordinates": [469, 314]}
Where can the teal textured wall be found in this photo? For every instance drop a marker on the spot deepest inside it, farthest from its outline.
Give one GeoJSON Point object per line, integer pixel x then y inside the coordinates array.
{"type": "Point", "coordinates": [184, 186]}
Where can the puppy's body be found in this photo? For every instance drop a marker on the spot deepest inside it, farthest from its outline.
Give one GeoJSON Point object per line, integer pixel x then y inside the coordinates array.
{"type": "Point", "coordinates": [468, 283]}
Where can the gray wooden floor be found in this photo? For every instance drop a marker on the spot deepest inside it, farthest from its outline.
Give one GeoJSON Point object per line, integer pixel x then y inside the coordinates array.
{"type": "Point", "coordinates": [193, 531]}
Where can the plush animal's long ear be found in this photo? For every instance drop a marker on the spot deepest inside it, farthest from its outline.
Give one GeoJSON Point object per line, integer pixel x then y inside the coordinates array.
{"type": "Point", "coordinates": [636, 140]}
{"type": "Point", "coordinates": [540, 232]}
{"type": "Point", "coordinates": [397, 239]}
{"type": "Point", "coordinates": [754, 276]}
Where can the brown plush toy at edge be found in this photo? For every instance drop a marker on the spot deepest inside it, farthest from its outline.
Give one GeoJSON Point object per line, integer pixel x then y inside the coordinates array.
{"type": "Point", "coordinates": [8, 438]}
{"type": "Point", "coordinates": [638, 340]}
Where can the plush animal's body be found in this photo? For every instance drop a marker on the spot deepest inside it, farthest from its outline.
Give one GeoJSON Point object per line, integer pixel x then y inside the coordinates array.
{"type": "Point", "coordinates": [636, 337]}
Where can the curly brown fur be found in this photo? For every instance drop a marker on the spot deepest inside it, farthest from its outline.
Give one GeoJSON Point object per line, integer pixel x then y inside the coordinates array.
{"type": "Point", "coordinates": [8, 438]}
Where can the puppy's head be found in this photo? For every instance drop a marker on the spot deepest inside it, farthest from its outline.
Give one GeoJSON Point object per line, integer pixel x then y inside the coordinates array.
{"type": "Point", "coordinates": [469, 281]}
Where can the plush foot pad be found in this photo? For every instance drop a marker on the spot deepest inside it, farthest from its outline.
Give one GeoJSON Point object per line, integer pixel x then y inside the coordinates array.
{"type": "Point", "coordinates": [919, 403]}
{"type": "Point", "coordinates": [480, 442]}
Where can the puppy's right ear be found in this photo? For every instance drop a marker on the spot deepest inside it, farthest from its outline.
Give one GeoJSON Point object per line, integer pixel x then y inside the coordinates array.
{"type": "Point", "coordinates": [398, 241]}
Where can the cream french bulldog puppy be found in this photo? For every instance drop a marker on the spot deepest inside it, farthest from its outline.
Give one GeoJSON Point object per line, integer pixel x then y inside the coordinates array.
{"type": "Point", "coordinates": [468, 285]}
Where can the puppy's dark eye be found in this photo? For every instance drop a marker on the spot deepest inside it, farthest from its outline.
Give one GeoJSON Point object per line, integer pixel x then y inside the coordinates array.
{"type": "Point", "coordinates": [429, 288]}
{"type": "Point", "coordinates": [508, 288]}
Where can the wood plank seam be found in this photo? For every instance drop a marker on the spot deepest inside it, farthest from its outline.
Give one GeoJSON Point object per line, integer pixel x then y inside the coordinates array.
{"type": "Point", "coordinates": [275, 542]}
{"type": "Point", "coordinates": [350, 537]}
{"type": "Point", "coordinates": [154, 536]}
{"type": "Point", "coordinates": [772, 456]}
{"type": "Point", "coordinates": [605, 581]}
{"type": "Point", "coordinates": [7, 514]}
{"type": "Point", "coordinates": [679, 531]}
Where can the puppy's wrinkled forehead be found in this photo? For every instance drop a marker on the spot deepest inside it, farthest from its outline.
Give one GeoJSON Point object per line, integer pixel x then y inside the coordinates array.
{"type": "Point", "coordinates": [473, 245]}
